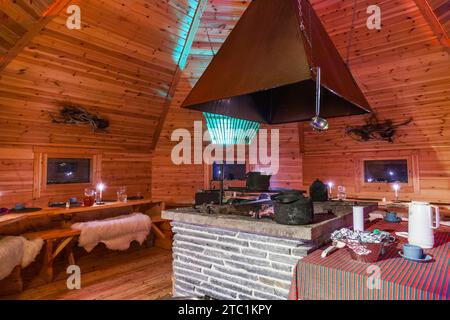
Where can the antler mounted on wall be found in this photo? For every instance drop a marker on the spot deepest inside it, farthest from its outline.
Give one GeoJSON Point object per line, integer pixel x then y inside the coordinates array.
{"type": "Point", "coordinates": [73, 114]}
{"type": "Point", "coordinates": [375, 130]}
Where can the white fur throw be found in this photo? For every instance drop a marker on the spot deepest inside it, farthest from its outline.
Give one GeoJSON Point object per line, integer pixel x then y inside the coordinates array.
{"type": "Point", "coordinates": [15, 251]}
{"type": "Point", "coordinates": [116, 233]}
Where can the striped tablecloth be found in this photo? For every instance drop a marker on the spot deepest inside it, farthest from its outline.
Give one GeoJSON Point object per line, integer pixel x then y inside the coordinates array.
{"type": "Point", "coordinates": [391, 278]}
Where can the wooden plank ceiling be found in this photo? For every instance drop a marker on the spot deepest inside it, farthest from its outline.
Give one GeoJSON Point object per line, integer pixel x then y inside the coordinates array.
{"type": "Point", "coordinates": [16, 19]}
{"type": "Point", "coordinates": [119, 65]}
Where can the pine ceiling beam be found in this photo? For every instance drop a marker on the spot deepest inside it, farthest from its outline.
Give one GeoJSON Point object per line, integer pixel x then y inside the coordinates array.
{"type": "Point", "coordinates": [434, 23]}
{"type": "Point", "coordinates": [181, 63]}
{"type": "Point", "coordinates": [51, 12]}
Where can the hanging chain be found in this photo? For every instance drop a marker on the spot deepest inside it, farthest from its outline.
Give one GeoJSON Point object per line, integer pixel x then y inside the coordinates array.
{"type": "Point", "coordinates": [304, 31]}
{"type": "Point", "coordinates": [302, 25]}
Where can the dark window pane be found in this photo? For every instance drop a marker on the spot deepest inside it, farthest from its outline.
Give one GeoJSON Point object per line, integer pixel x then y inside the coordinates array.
{"type": "Point", "coordinates": [64, 171]}
{"type": "Point", "coordinates": [376, 171]}
{"type": "Point", "coordinates": [231, 171]}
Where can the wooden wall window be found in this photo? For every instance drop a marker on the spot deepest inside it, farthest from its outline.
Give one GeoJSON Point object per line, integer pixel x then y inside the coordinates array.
{"type": "Point", "coordinates": [379, 173]}
{"type": "Point", "coordinates": [51, 165]}
{"type": "Point", "coordinates": [210, 182]}
{"type": "Point", "coordinates": [62, 170]}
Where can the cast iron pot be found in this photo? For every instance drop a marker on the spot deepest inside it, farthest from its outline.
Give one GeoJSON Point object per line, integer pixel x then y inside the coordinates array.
{"type": "Point", "coordinates": [292, 208]}
{"type": "Point", "coordinates": [318, 191]}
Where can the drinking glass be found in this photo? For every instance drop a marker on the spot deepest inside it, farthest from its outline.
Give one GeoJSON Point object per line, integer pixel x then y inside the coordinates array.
{"type": "Point", "coordinates": [341, 193]}
{"type": "Point", "coordinates": [122, 194]}
{"type": "Point", "coordinates": [89, 197]}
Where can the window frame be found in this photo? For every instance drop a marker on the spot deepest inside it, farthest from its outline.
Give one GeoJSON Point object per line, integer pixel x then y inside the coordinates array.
{"type": "Point", "coordinates": [408, 165]}
{"type": "Point", "coordinates": [91, 172]}
{"type": "Point", "coordinates": [412, 187]}
{"type": "Point", "coordinates": [41, 155]}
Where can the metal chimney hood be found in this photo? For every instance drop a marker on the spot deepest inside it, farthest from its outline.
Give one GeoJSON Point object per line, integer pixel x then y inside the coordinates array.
{"type": "Point", "coordinates": [263, 72]}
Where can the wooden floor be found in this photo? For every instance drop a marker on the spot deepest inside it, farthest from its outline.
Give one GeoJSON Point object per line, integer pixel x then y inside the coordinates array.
{"type": "Point", "coordinates": [139, 273]}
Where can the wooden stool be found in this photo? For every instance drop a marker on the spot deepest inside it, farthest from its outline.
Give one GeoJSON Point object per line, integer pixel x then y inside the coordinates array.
{"type": "Point", "coordinates": [64, 238]}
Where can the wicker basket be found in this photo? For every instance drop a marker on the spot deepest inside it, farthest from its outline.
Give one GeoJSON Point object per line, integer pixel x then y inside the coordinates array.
{"type": "Point", "coordinates": [373, 249]}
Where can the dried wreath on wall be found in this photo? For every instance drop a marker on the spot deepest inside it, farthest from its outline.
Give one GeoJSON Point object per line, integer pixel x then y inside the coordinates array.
{"type": "Point", "coordinates": [73, 114]}
{"type": "Point", "coordinates": [375, 130]}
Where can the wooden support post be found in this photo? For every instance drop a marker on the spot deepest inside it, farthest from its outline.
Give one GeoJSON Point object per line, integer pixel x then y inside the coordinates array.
{"type": "Point", "coordinates": [65, 237]}
{"type": "Point", "coordinates": [69, 254]}
{"type": "Point", "coordinates": [47, 268]}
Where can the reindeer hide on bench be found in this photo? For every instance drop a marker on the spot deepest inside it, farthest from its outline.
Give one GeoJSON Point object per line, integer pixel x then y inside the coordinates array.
{"type": "Point", "coordinates": [116, 233]}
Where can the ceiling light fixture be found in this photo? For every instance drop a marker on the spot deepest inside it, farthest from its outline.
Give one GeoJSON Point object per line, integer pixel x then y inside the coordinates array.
{"type": "Point", "coordinates": [230, 131]}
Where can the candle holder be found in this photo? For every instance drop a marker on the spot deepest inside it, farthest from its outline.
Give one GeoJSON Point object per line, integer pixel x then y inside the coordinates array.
{"type": "Point", "coordinates": [330, 193]}
{"type": "Point", "coordinates": [99, 196]}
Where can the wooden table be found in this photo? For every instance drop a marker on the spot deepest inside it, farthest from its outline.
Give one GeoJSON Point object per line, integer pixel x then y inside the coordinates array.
{"type": "Point", "coordinates": [338, 277]}
{"type": "Point", "coordinates": [51, 212]}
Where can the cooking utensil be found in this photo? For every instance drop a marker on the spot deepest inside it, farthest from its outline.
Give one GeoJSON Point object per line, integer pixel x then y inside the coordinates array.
{"type": "Point", "coordinates": [292, 208]}
{"type": "Point", "coordinates": [335, 246]}
{"type": "Point", "coordinates": [318, 123]}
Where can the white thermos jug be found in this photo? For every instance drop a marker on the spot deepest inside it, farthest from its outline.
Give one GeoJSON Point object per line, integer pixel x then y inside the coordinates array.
{"type": "Point", "coordinates": [421, 224]}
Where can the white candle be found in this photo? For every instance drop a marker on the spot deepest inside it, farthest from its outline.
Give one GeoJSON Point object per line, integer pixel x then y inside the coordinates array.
{"type": "Point", "coordinates": [396, 187]}
{"type": "Point", "coordinates": [330, 186]}
{"type": "Point", "coordinates": [100, 188]}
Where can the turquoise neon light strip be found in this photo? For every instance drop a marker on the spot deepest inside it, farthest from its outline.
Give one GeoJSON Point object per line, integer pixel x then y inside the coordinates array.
{"type": "Point", "coordinates": [229, 131]}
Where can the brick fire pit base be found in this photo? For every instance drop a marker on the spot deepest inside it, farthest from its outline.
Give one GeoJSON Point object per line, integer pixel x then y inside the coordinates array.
{"type": "Point", "coordinates": [226, 264]}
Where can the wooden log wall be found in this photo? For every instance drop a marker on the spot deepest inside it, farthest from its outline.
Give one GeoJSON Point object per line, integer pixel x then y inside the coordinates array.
{"type": "Point", "coordinates": [119, 65]}
{"type": "Point", "coordinates": [132, 170]}
{"type": "Point", "coordinates": [403, 70]}
{"type": "Point", "coordinates": [290, 173]}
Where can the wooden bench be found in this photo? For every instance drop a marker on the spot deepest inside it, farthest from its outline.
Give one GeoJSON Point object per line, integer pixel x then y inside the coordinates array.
{"type": "Point", "coordinates": [56, 240]}
{"type": "Point", "coordinates": [12, 284]}
{"type": "Point", "coordinates": [59, 240]}
{"type": "Point", "coordinates": [160, 227]}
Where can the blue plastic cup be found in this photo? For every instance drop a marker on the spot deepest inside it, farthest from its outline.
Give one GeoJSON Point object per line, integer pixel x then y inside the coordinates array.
{"type": "Point", "coordinates": [391, 216]}
{"type": "Point", "coordinates": [73, 200]}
